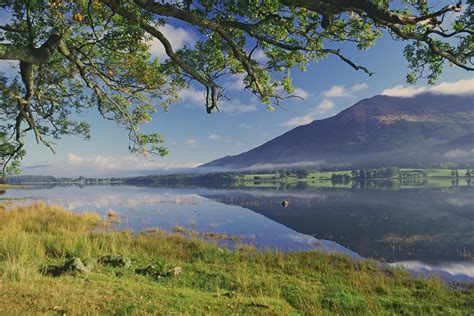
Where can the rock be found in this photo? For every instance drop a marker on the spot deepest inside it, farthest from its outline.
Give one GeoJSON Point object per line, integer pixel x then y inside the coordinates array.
{"type": "Point", "coordinates": [157, 272]}
{"type": "Point", "coordinates": [75, 265]}
{"type": "Point", "coordinates": [174, 272]}
{"type": "Point", "coordinates": [72, 266]}
{"type": "Point", "coordinates": [284, 203]}
{"type": "Point", "coordinates": [90, 263]}
{"type": "Point", "coordinates": [148, 270]}
{"type": "Point", "coordinates": [115, 261]}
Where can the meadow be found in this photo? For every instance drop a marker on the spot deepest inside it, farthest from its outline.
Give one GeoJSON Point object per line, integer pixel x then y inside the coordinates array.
{"type": "Point", "coordinates": [36, 239]}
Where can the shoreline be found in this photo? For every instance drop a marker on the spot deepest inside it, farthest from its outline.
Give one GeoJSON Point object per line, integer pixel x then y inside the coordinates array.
{"type": "Point", "coordinates": [229, 241]}
{"type": "Point", "coordinates": [210, 279]}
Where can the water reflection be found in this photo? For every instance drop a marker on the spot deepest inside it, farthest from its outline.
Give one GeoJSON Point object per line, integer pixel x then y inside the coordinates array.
{"type": "Point", "coordinates": [432, 225]}
{"type": "Point", "coordinates": [461, 272]}
{"type": "Point", "coordinates": [143, 207]}
{"type": "Point", "coordinates": [426, 229]}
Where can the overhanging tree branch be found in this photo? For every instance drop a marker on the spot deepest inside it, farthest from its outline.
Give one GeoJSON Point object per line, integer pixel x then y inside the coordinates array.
{"type": "Point", "coordinates": [30, 54]}
{"type": "Point", "coordinates": [104, 48]}
{"type": "Point", "coordinates": [115, 6]}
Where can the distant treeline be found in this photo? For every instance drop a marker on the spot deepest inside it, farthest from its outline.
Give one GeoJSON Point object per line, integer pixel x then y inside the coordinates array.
{"type": "Point", "coordinates": [51, 179]}
{"type": "Point", "coordinates": [183, 178]}
{"type": "Point", "coordinates": [392, 173]}
{"type": "Point", "coordinates": [455, 173]}
{"type": "Point", "coordinates": [231, 177]}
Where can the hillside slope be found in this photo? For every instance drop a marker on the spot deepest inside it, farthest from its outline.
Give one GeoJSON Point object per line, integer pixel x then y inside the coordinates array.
{"type": "Point", "coordinates": [381, 130]}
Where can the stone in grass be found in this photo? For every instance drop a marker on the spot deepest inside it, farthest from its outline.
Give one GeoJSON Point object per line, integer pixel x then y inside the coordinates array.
{"type": "Point", "coordinates": [174, 272]}
{"type": "Point", "coordinates": [72, 266]}
{"type": "Point", "coordinates": [157, 271]}
{"type": "Point", "coordinates": [90, 263]}
{"type": "Point", "coordinates": [115, 261]}
{"type": "Point", "coordinates": [150, 270]}
{"type": "Point", "coordinates": [75, 266]}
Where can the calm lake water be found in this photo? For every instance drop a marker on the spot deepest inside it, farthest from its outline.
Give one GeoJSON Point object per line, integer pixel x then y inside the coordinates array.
{"type": "Point", "coordinates": [428, 230]}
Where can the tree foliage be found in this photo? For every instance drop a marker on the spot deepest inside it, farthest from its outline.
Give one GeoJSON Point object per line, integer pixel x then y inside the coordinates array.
{"type": "Point", "coordinates": [78, 54]}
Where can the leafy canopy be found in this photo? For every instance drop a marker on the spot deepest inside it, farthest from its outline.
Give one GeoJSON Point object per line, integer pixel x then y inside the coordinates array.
{"type": "Point", "coordinates": [77, 54]}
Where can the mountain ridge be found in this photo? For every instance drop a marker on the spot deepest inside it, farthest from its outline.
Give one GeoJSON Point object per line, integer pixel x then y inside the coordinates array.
{"type": "Point", "coordinates": [372, 132]}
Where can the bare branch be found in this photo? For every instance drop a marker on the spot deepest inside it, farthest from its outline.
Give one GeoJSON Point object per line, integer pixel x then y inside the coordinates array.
{"type": "Point", "coordinates": [337, 52]}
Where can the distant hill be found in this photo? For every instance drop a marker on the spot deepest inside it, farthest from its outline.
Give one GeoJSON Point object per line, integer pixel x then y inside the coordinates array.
{"type": "Point", "coordinates": [421, 131]}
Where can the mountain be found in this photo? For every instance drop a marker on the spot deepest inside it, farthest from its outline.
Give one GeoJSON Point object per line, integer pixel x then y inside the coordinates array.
{"type": "Point", "coordinates": [379, 131]}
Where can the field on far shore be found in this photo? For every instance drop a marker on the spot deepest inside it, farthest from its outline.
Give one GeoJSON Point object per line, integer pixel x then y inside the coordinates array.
{"type": "Point", "coordinates": [326, 175]}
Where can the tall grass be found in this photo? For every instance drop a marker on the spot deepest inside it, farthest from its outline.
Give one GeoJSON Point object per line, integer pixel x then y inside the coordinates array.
{"type": "Point", "coordinates": [214, 280]}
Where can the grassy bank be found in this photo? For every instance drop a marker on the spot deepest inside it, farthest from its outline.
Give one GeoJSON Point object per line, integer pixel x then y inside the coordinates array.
{"type": "Point", "coordinates": [10, 186]}
{"type": "Point", "coordinates": [213, 280]}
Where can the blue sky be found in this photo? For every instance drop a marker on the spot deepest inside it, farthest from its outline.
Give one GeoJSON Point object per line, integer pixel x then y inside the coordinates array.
{"type": "Point", "coordinates": [194, 137]}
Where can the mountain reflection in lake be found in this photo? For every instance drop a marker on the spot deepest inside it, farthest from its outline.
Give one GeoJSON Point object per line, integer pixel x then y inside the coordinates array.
{"type": "Point", "coordinates": [425, 229]}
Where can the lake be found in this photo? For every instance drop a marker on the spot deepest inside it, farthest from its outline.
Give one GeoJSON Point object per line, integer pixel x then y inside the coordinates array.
{"type": "Point", "coordinates": [425, 229]}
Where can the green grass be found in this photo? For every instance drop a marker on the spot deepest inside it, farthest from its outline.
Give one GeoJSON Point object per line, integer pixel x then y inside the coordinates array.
{"type": "Point", "coordinates": [263, 176]}
{"type": "Point", "coordinates": [435, 178]}
{"type": "Point", "coordinates": [10, 186]}
{"type": "Point", "coordinates": [322, 175]}
{"type": "Point", "coordinates": [440, 172]}
{"type": "Point", "coordinates": [325, 175]}
{"type": "Point", "coordinates": [214, 281]}
{"type": "Point", "coordinates": [12, 199]}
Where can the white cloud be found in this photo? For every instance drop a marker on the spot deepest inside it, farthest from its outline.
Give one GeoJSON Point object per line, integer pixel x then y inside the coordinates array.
{"type": "Point", "coordinates": [9, 67]}
{"type": "Point", "coordinates": [103, 166]}
{"type": "Point", "coordinates": [259, 55]}
{"type": "Point", "coordinates": [360, 87]}
{"type": "Point", "coordinates": [301, 93]}
{"type": "Point", "coordinates": [191, 141]}
{"type": "Point", "coordinates": [243, 125]}
{"type": "Point", "coordinates": [337, 92]}
{"type": "Point", "coordinates": [461, 87]}
{"type": "Point", "coordinates": [325, 107]}
{"type": "Point", "coordinates": [402, 91]}
{"type": "Point", "coordinates": [300, 120]}
{"type": "Point", "coordinates": [462, 268]}
{"type": "Point", "coordinates": [460, 154]}
{"type": "Point", "coordinates": [235, 106]}
{"type": "Point", "coordinates": [74, 159]}
{"type": "Point", "coordinates": [237, 83]}
{"type": "Point", "coordinates": [301, 164]}
{"type": "Point", "coordinates": [341, 91]}
{"type": "Point", "coordinates": [215, 137]}
{"type": "Point", "coordinates": [178, 38]}
{"type": "Point", "coordinates": [192, 95]}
